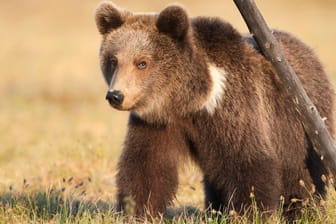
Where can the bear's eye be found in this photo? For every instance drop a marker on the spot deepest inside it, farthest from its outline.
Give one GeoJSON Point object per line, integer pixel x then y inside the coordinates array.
{"type": "Point", "coordinates": [113, 61]}
{"type": "Point", "coordinates": [142, 65]}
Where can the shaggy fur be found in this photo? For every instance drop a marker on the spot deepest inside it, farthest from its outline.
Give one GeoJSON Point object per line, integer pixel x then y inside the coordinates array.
{"type": "Point", "coordinates": [243, 132]}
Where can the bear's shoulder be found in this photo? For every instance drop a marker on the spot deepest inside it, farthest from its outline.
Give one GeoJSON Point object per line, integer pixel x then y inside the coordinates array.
{"type": "Point", "coordinates": [218, 39]}
{"type": "Point", "coordinates": [213, 30]}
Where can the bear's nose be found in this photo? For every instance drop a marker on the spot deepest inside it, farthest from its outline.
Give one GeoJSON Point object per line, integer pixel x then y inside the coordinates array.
{"type": "Point", "coordinates": [115, 98]}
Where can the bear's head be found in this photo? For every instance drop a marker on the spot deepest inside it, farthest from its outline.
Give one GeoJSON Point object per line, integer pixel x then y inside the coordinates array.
{"type": "Point", "coordinates": [151, 64]}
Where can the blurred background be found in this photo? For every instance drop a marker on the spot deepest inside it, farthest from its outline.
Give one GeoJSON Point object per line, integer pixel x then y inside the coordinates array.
{"type": "Point", "coordinates": [54, 121]}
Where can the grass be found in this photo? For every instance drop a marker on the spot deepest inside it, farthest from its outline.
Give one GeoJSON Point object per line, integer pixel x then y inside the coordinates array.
{"type": "Point", "coordinates": [66, 205]}
{"type": "Point", "coordinates": [60, 141]}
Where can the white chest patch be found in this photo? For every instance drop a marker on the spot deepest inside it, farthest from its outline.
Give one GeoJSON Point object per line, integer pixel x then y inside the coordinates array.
{"type": "Point", "coordinates": [218, 78]}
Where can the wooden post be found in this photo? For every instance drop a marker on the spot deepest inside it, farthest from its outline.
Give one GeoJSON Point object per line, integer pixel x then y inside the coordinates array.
{"type": "Point", "coordinates": [310, 117]}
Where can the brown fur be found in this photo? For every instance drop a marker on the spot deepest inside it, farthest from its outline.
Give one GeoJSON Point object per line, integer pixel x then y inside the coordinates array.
{"type": "Point", "coordinates": [253, 141]}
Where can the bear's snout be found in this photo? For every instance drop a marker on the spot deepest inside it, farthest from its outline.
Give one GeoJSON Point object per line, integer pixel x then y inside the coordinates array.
{"type": "Point", "coordinates": [115, 98]}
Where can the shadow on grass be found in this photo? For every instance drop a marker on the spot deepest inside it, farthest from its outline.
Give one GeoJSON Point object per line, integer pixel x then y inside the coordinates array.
{"type": "Point", "coordinates": [46, 205]}
{"type": "Point", "coordinates": [69, 203]}
{"type": "Point", "coordinates": [55, 205]}
{"type": "Point", "coordinates": [39, 206]}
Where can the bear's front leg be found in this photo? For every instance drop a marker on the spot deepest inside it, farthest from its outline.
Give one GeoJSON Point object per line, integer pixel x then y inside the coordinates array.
{"type": "Point", "coordinates": [148, 167]}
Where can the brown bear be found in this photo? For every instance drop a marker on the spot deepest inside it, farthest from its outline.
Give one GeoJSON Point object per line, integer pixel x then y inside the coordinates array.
{"type": "Point", "coordinates": [196, 88]}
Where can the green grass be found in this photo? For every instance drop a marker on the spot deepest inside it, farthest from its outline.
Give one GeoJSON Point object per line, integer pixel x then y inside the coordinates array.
{"type": "Point", "coordinates": [59, 139]}
{"type": "Point", "coordinates": [66, 205]}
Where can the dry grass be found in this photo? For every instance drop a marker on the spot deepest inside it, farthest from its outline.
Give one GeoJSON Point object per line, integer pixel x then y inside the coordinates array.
{"type": "Point", "coordinates": [56, 130]}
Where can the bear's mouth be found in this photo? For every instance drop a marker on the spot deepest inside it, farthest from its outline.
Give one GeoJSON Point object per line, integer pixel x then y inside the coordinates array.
{"type": "Point", "coordinates": [122, 107]}
{"type": "Point", "coordinates": [115, 106]}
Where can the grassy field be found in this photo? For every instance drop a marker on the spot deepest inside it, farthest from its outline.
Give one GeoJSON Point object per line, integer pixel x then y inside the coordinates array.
{"type": "Point", "coordinates": [59, 139]}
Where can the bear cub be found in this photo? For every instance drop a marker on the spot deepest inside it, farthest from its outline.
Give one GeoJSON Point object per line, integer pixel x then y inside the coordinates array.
{"type": "Point", "coordinates": [196, 88]}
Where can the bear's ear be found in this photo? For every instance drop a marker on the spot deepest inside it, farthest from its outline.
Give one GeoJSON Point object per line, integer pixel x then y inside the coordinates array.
{"type": "Point", "coordinates": [174, 22]}
{"type": "Point", "coordinates": [108, 17]}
